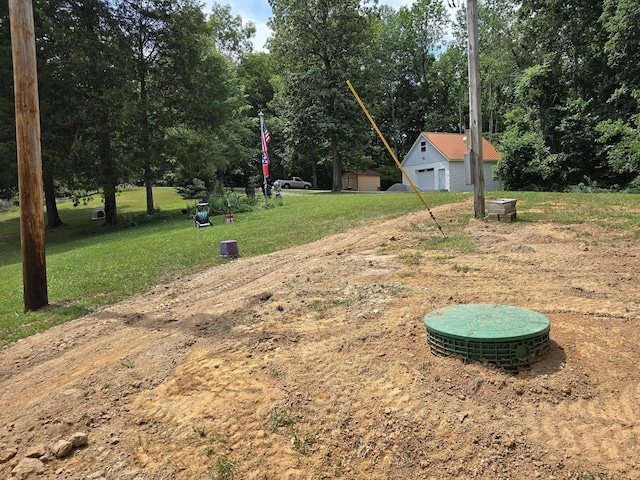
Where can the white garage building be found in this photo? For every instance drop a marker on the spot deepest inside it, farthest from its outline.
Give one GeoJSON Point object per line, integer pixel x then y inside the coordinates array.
{"type": "Point", "coordinates": [435, 162]}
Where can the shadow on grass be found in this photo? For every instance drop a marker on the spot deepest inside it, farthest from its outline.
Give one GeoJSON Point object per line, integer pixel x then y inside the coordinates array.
{"type": "Point", "coordinates": [76, 232]}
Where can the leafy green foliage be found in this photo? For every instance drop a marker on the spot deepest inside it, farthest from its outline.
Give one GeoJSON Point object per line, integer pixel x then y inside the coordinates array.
{"type": "Point", "coordinates": [232, 36]}
{"type": "Point", "coordinates": [527, 163]}
{"type": "Point", "coordinates": [319, 44]}
{"type": "Point", "coordinates": [131, 91]}
{"type": "Point", "coordinates": [621, 19]}
{"type": "Point", "coordinates": [623, 139]}
{"type": "Point", "coordinates": [568, 81]}
{"type": "Point", "coordinates": [413, 36]}
{"type": "Point", "coordinates": [157, 90]}
{"type": "Point", "coordinates": [624, 156]}
{"type": "Point", "coordinates": [195, 190]}
{"type": "Point", "coordinates": [255, 72]}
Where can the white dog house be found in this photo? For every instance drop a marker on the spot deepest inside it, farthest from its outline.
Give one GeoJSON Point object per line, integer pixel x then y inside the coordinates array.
{"type": "Point", "coordinates": [435, 162]}
{"type": "Point", "coordinates": [98, 214]}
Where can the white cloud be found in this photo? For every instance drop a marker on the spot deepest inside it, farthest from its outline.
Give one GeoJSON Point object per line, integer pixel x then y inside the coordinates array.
{"type": "Point", "coordinates": [263, 32]}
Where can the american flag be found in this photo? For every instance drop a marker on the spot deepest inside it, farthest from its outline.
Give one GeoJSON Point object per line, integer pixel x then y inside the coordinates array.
{"type": "Point", "coordinates": [265, 144]}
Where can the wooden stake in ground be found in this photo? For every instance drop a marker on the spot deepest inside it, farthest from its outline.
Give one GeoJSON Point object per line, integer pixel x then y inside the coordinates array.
{"type": "Point", "coordinates": [25, 79]}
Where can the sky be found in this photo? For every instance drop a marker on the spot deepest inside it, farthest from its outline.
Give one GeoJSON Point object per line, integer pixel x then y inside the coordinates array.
{"type": "Point", "coordinates": [259, 11]}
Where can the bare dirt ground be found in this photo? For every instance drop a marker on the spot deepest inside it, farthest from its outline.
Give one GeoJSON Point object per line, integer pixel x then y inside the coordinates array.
{"type": "Point", "coordinates": [312, 363]}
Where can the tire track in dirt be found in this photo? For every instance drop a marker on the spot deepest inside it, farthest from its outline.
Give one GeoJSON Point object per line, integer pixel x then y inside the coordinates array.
{"type": "Point", "coordinates": [568, 282]}
{"type": "Point", "coordinates": [595, 429]}
{"type": "Point", "coordinates": [63, 376]}
{"type": "Point", "coordinates": [603, 420]}
{"type": "Point", "coordinates": [325, 350]}
{"type": "Point", "coordinates": [238, 283]}
{"type": "Point", "coordinates": [219, 405]}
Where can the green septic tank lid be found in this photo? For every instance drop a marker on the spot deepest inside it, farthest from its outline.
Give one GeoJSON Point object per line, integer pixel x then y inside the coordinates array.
{"type": "Point", "coordinates": [510, 337]}
{"type": "Point", "coordinates": [486, 322]}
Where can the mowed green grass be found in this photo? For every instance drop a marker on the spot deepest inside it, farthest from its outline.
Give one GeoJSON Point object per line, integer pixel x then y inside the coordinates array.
{"type": "Point", "coordinates": [89, 265]}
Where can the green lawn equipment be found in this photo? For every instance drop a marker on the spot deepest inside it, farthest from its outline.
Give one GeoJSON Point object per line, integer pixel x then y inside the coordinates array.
{"type": "Point", "coordinates": [201, 218]}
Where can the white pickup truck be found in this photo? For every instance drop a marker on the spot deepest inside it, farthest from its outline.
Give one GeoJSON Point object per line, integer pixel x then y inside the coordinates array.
{"type": "Point", "coordinates": [293, 182]}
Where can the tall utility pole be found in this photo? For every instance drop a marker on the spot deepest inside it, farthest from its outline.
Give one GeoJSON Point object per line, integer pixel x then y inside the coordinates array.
{"type": "Point", "coordinates": [25, 79]}
{"type": "Point", "coordinates": [475, 112]}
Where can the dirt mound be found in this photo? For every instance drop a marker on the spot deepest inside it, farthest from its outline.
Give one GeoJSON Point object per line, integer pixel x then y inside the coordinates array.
{"type": "Point", "coordinates": [312, 363]}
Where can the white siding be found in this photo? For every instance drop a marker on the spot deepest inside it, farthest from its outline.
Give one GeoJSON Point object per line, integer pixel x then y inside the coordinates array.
{"type": "Point", "coordinates": [457, 181]}
{"type": "Point", "coordinates": [442, 179]}
{"type": "Point", "coordinates": [422, 167]}
{"type": "Point", "coordinates": [456, 178]}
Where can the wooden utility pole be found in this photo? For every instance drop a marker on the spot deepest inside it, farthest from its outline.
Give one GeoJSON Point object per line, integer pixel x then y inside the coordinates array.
{"type": "Point", "coordinates": [25, 80]}
{"type": "Point", "coordinates": [475, 112]}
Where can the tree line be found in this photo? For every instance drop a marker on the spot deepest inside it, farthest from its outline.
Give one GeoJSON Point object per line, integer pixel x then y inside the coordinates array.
{"type": "Point", "coordinates": [158, 92]}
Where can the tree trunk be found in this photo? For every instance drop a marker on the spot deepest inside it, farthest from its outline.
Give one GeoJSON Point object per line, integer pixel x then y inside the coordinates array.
{"type": "Point", "coordinates": [109, 178]}
{"type": "Point", "coordinates": [110, 210]}
{"type": "Point", "coordinates": [337, 167]}
{"type": "Point", "coordinates": [53, 216]}
{"type": "Point", "coordinates": [148, 185]}
{"type": "Point", "coordinates": [314, 175]}
{"type": "Point", "coordinates": [146, 137]}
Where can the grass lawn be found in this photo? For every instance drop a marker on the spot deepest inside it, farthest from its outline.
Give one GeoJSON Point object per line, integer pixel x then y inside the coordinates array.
{"type": "Point", "coordinates": [89, 265]}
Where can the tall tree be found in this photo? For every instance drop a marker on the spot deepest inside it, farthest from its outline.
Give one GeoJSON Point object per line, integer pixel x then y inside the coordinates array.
{"type": "Point", "coordinates": [255, 72]}
{"type": "Point", "coordinates": [8, 160]}
{"type": "Point", "coordinates": [57, 105]}
{"type": "Point", "coordinates": [499, 63]}
{"type": "Point", "coordinates": [99, 59]}
{"type": "Point", "coordinates": [144, 25]}
{"type": "Point", "coordinates": [231, 34]}
{"type": "Point", "coordinates": [319, 43]}
{"type": "Point", "coordinates": [212, 127]}
{"type": "Point", "coordinates": [621, 19]}
{"type": "Point", "coordinates": [418, 97]}
{"type": "Point", "coordinates": [563, 46]}
{"type": "Point", "coordinates": [621, 131]}
{"type": "Point", "coordinates": [419, 89]}
{"type": "Point", "coordinates": [154, 36]}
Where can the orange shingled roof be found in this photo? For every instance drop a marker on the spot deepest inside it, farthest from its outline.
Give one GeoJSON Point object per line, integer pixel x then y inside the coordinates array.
{"type": "Point", "coordinates": [452, 146]}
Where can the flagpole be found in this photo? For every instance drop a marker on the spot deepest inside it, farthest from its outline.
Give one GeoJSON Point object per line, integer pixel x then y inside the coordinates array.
{"type": "Point", "coordinates": [264, 158]}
